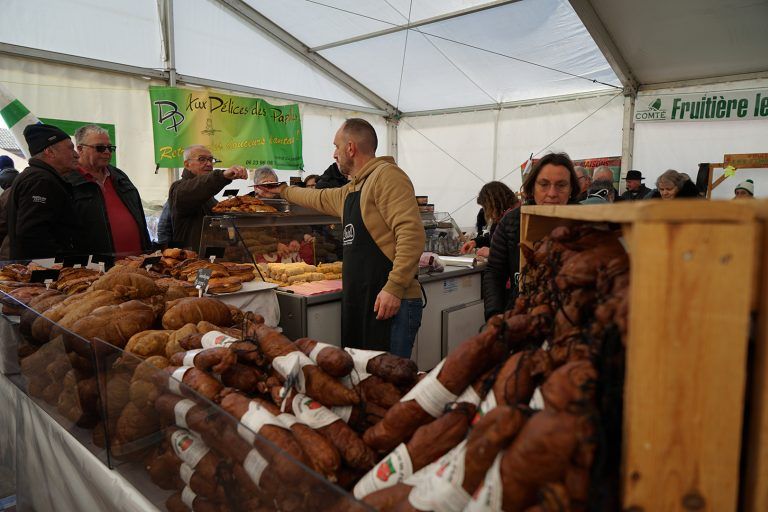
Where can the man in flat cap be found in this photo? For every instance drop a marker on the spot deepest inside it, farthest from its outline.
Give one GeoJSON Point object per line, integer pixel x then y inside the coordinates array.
{"type": "Point", "coordinates": [42, 221]}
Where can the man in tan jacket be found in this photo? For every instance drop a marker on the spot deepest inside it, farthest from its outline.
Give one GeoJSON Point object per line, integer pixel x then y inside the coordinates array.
{"type": "Point", "coordinates": [383, 239]}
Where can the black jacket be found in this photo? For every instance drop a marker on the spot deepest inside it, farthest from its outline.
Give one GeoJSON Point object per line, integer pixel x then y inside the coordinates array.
{"type": "Point", "coordinates": [190, 199]}
{"type": "Point", "coordinates": [634, 195]}
{"type": "Point", "coordinates": [503, 263]}
{"type": "Point", "coordinates": [42, 220]}
{"type": "Point", "coordinates": [331, 178]}
{"type": "Point", "coordinates": [90, 206]}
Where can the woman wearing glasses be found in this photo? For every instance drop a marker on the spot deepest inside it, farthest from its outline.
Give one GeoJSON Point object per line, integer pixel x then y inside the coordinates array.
{"type": "Point", "coordinates": [551, 181]}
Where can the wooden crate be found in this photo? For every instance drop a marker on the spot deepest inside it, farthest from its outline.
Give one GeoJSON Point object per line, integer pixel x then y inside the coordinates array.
{"type": "Point", "coordinates": [696, 276]}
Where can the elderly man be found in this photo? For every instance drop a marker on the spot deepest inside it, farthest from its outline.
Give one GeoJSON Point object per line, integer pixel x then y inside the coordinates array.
{"type": "Point", "coordinates": [107, 202]}
{"type": "Point", "coordinates": [383, 239]}
{"type": "Point", "coordinates": [42, 221]}
{"type": "Point", "coordinates": [264, 174]}
{"type": "Point", "coordinates": [585, 180]}
{"type": "Point", "coordinates": [604, 173]}
{"type": "Point", "coordinates": [191, 198]}
{"type": "Point", "coordinates": [635, 188]}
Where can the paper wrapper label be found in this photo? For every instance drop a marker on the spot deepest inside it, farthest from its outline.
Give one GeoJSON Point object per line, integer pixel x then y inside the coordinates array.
{"type": "Point", "coordinates": [254, 418]}
{"type": "Point", "coordinates": [537, 400]}
{"type": "Point", "coordinates": [430, 394]}
{"type": "Point", "coordinates": [254, 465]}
{"type": "Point", "coordinates": [392, 469]}
{"type": "Point", "coordinates": [489, 495]}
{"type": "Point", "coordinates": [315, 351]}
{"type": "Point", "coordinates": [214, 339]}
{"type": "Point", "coordinates": [289, 367]}
{"type": "Point", "coordinates": [361, 358]}
{"type": "Point", "coordinates": [486, 406]}
{"type": "Point", "coordinates": [188, 497]}
{"type": "Point", "coordinates": [288, 420]}
{"type": "Point", "coordinates": [174, 383]}
{"type": "Point", "coordinates": [189, 356]}
{"type": "Point", "coordinates": [439, 488]}
{"type": "Point", "coordinates": [312, 412]}
{"type": "Point", "coordinates": [469, 396]}
{"type": "Point", "coordinates": [188, 448]}
{"type": "Point", "coordinates": [344, 412]}
{"type": "Point", "coordinates": [180, 411]}
{"type": "Point", "coordinates": [185, 472]}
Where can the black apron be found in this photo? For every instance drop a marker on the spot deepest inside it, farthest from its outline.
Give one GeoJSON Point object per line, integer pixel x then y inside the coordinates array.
{"type": "Point", "coordinates": [364, 274]}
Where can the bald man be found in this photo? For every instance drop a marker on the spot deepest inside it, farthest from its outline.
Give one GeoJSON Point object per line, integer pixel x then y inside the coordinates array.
{"type": "Point", "coordinates": [383, 239]}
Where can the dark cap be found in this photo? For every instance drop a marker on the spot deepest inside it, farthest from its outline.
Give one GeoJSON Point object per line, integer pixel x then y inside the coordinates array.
{"type": "Point", "coordinates": [634, 175]}
{"type": "Point", "coordinates": [5, 162]}
{"type": "Point", "coordinates": [40, 136]}
{"type": "Point", "coordinates": [7, 176]}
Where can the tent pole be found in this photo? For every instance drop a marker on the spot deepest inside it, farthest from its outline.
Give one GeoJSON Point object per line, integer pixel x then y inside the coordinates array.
{"type": "Point", "coordinates": [496, 144]}
{"type": "Point", "coordinates": [627, 136]}
{"type": "Point", "coordinates": [392, 125]}
{"type": "Point", "coordinates": [169, 47]}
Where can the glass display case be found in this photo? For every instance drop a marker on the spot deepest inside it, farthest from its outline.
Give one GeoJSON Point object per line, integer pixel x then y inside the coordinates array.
{"type": "Point", "coordinates": [297, 235]}
{"type": "Point", "coordinates": [139, 418]}
{"type": "Point", "coordinates": [443, 234]}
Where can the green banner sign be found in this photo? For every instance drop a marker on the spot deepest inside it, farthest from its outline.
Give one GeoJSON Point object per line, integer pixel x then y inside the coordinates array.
{"type": "Point", "coordinates": [70, 127]}
{"type": "Point", "coordinates": [709, 106]}
{"type": "Point", "coordinates": [238, 130]}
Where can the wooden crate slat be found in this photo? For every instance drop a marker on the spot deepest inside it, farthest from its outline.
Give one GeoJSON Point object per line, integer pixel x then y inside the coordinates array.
{"type": "Point", "coordinates": [686, 364]}
{"type": "Point", "coordinates": [679, 210]}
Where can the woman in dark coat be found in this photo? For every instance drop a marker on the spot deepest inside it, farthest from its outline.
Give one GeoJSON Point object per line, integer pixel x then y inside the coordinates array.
{"type": "Point", "coordinates": [496, 199]}
{"type": "Point", "coordinates": [551, 181]}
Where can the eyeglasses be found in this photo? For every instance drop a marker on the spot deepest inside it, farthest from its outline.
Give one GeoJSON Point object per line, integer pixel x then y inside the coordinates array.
{"type": "Point", "coordinates": [204, 159]}
{"type": "Point", "coordinates": [583, 178]}
{"type": "Point", "coordinates": [560, 186]}
{"type": "Point", "coordinates": [100, 148]}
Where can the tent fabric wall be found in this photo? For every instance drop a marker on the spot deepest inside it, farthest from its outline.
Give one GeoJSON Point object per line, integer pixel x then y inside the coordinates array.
{"type": "Point", "coordinates": [683, 145]}
{"type": "Point", "coordinates": [67, 92]}
{"type": "Point", "coordinates": [459, 143]}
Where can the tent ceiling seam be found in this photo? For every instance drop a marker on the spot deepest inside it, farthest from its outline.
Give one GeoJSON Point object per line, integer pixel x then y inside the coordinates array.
{"type": "Point", "coordinates": [257, 19]}
{"type": "Point", "coordinates": [399, 28]}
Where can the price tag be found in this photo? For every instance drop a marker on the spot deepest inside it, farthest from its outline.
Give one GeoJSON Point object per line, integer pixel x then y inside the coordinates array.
{"type": "Point", "coordinates": [230, 192]}
{"type": "Point", "coordinates": [151, 260]}
{"type": "Point", "coordinates": [201, 280]}
{"type": "Point", "coordinates": [75, 261]}
{"type": "Point", "coordinates": [41, 276]}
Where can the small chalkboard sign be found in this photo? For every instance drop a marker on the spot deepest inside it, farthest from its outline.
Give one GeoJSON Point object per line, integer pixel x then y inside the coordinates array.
{"type": "Point", "coordinates": [151, 260]}
{"type": "Point", "coordinates": [74, 261]}
{"type": "Point", "coordinates": [107, 259]}
{"type": "Point", "coordinates": [213, 250]}
{"type": "Point", "coordinates": [202, 278]}
{"type": "Point", "coordinates": [40, 276]}
{"type": "Point", "coordinates": [230, 192]}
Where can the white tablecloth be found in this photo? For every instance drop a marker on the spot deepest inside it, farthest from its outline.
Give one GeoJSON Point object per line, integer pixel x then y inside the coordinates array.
{"type": "Point", "coordinates": [55, 472]}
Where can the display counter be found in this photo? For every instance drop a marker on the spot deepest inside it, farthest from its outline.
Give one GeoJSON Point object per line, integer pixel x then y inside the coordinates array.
{"type": "Point", "coordinates": [454, 311]}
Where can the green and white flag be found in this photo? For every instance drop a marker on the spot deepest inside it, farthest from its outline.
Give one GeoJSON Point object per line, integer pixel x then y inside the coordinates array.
{"type": "Point", "coordinates": [16, 116]}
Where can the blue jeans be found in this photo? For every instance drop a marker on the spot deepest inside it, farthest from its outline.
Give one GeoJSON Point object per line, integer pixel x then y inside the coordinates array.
{"type": "Point", "coordinates": [405, 325]}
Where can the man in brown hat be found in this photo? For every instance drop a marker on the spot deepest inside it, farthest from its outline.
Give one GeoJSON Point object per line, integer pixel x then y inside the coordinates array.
{"type": "Point", "coordinates": [635, 188]}
{"type": "Point", "coordinates": [41, 217]}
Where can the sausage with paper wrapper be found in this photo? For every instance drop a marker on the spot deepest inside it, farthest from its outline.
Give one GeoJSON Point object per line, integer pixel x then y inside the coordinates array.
{"type": "Point", "coordinates": [430, 442]}
{"type": "Point", "coordinates": [333, 360]}
{"type": "Point", "coordinates": [195, 379]}
{"type": "Point", "coordinates": [287, 359]}
{"type": "Point", "coordinates": [428, 398]}
{"type": "Point", "coordinates": [312, 413]}
{"type": "Point", "coordinates": [194, 452]}
{"type": "Point", "coordinates": [187, 500]}
{"type": "Point", "coordinates": [378, 391]}
{"type": "Point", "coordinates": [246, 351]}
{"type": "Point", "coordinates": [323, 456]}
{"type": "Point", "coordinates": [218, 360]}
{"type": "Point", "coordinates": [257, 419]}
{"type": "Point", "coordinates": [395, 369]}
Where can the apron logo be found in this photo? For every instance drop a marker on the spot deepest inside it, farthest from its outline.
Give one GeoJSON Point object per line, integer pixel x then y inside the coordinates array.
{"type": "Point", "coordinates": [39, 199]}
{"type": "Point", "coordinates": [349, 234]}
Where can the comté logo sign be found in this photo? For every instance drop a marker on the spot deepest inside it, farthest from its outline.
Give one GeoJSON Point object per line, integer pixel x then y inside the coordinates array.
{"type": "Point", "coordinates": [710, 106]}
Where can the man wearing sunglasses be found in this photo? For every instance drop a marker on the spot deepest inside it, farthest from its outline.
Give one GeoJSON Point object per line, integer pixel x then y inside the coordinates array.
{"type": "Point", "coordinates": [107, 203]}
{"type": "Point", "coordinates": [191, 198]}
